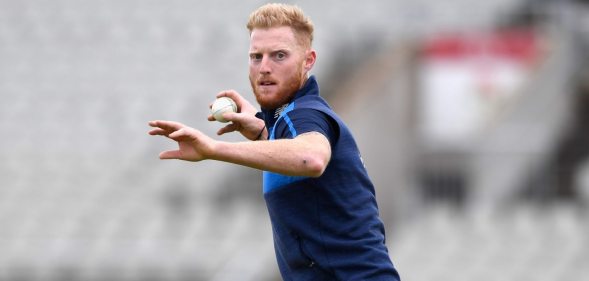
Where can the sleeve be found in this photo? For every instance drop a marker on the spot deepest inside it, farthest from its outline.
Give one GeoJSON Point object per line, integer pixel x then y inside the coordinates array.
{"type": "Point", "coordinates": [307, 120]}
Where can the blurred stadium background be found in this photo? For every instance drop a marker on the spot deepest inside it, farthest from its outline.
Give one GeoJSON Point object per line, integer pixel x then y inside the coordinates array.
{"type": "Point", "coordinates": [473, 118]}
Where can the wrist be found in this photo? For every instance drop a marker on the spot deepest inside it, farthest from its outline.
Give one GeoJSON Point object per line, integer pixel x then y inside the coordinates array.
{"type": "Point", "coordinates": [216, 151]}
{"type": "Point", "coordinates": [261, 134]}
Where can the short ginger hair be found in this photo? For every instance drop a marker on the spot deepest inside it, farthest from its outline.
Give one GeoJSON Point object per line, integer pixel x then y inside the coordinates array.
{"type": "Point", "coordinates": [277, 15]}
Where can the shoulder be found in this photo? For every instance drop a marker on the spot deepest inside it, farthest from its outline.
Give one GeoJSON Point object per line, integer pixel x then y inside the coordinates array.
{"type": "Point", "coordinates": [305, 120]}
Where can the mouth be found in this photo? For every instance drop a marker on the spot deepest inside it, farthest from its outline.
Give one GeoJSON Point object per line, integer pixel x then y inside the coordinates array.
{"type": "Point", "coordinates": [266, 83]}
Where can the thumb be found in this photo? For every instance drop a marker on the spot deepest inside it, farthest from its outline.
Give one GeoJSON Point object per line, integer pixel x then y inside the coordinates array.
{"type": "Point", "coordinates": [170, 154]}
{"type": "Point", "coordinates": [183, 134]}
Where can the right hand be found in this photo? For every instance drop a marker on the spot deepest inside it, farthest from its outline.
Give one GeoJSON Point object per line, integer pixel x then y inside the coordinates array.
{"type": "Point", "coordinates": [193, 145]}
{"type": "Point", "coordinates": [244, 121]}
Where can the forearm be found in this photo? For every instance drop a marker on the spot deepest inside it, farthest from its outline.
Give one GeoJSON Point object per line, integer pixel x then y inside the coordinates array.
{"type": "Point", "coordinates": [294, 157]}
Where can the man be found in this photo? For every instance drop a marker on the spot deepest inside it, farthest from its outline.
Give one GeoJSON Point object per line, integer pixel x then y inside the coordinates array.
{"type": "Point", "coordinates": [321, 202]}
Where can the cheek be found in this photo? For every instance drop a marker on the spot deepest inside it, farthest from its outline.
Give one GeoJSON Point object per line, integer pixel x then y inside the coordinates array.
{"type": "Point", "coordinates": [289, 70]}
{"type": "Point", "coordinates": [253, 74]}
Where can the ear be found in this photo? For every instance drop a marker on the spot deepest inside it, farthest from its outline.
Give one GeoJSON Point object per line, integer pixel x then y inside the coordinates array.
{"type": "Point", "coordinates": [310, 58]}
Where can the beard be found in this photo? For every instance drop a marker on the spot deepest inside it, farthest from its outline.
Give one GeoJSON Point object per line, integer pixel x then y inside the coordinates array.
{"type": "Point", "coordinates": [283, 95]}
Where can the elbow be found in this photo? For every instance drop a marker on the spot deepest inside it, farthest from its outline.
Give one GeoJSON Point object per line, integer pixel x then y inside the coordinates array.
{"type": "Point", "coordinates": [315, 166]}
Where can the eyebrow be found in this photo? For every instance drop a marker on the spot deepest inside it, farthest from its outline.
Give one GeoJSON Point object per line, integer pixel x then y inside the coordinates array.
{"type": "Point", "coordinates": [284, 50]}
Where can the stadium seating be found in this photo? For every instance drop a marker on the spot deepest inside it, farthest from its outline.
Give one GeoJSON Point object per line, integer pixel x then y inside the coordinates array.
{"type": "Point", "coordinates": [83, 195]}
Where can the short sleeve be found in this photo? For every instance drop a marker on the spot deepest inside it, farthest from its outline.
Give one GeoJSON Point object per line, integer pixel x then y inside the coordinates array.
{"type": "Point", "coordinates": [305, 120]}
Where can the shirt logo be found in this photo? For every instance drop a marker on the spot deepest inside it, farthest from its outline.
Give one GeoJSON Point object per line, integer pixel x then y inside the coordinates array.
{"type": "Point", "coordinates": [279, 111]}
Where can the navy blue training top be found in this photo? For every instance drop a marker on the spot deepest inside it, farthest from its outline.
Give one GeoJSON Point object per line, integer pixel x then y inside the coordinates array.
{"type": "Point", "coordinates": [308, 120]}
{"type": "Point", "coordinates": [324, 228]}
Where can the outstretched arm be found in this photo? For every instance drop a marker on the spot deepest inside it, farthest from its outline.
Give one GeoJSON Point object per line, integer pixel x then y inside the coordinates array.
{"type": "Point", "coordinates": [306, 155]}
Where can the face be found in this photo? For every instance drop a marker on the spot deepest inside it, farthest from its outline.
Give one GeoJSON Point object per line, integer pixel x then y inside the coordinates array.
{"type": "Point", "coordinates": [278, 65]}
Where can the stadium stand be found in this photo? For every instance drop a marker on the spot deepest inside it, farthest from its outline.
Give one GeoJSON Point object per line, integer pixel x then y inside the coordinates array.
{"type": "Point", "coordinates": [84, 197]}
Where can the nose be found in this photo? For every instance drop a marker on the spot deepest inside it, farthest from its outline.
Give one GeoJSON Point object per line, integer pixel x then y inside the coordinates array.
{"type": "Point", "coordinates": [265, 67]}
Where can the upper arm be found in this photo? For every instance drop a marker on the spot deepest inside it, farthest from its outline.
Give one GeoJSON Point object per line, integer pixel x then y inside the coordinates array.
{"type": "Point", "coordinates": [316, 142]}
{"type": "Point", "coordinates": [315, 151]}
{"type": "Point", "coordinates": [306, 120]}
{"type": "Point", "coordinates": [313, 133]}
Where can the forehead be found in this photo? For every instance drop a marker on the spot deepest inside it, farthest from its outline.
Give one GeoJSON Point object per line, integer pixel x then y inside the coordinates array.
{"type": "Point", "coordinates": [272, 38]}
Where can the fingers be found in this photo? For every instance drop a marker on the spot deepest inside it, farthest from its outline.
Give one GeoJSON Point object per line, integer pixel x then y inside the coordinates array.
{"type": "Point", "coordinates": [232, 117]}
{"type": "Point", "coordinates": [184, 134]}
{"type": "Point", "coordinates": [243, 105]}
{"type": "Point", "coordinates": [193, 145]}
{"type": "Point", "coordinates": [228, 129]}
{"type": "Point", "coordinates": [235, 96]}
{"type": "Point", "coordinates": [232, 94]}
{"type": "Point", "coordinates": [170, 129]}
{"type": "Point", "coordinates": [229, 116]}
{"type": "Point", "coordinates": [236, 124]}
{"type": "Point", "coordinates": [157, 132]}
{"type": "Point", "coordinates": [170, 154]}
{"type": "Point", "coordinates": [166, 125]}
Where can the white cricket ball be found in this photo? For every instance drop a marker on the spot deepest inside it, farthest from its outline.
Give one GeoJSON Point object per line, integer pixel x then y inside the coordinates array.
{"type": "Point", "coordinates": [222, 105]}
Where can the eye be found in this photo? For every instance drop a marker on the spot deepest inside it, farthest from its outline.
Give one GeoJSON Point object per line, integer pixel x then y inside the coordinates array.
{"type": "Point", "coordinates": [256, 57]}
{"type": "Point", "coordinates": [280, 55]}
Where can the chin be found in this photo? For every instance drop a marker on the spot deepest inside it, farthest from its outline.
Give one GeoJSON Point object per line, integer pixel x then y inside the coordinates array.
{"type": "Point", "coordinates": [267, 102]}
{"type": "Point", "coordinates": [272, 100]}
